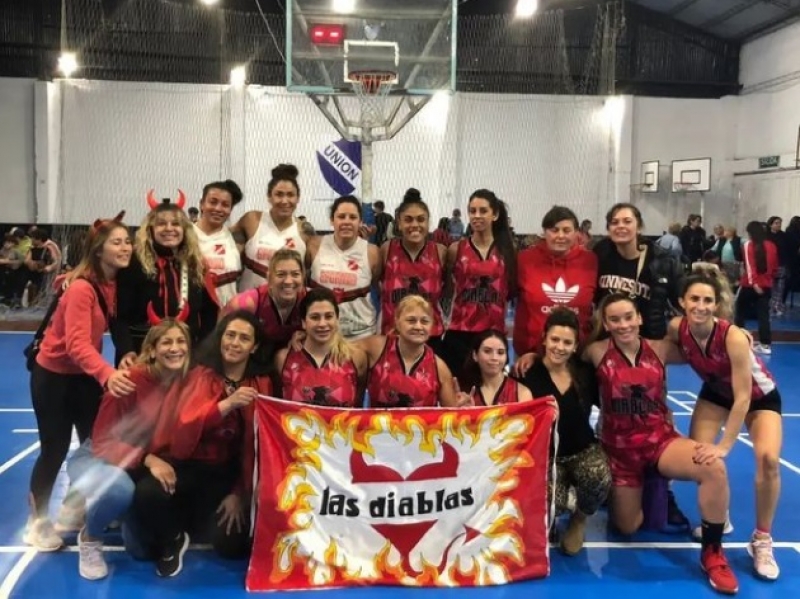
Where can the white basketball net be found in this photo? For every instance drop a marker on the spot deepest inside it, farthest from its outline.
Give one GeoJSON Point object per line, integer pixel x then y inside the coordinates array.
{"type": "Point", "coordinates": [372, 91]}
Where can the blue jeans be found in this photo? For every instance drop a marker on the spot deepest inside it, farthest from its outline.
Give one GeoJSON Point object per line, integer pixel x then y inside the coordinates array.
{"type": "Point", "coordinates": [108, 489]}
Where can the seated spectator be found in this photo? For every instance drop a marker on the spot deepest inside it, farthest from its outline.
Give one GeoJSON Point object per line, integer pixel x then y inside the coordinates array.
{"type": "Point", "coordinates": [42, 259]}
{"type": "Point", "coordinates": [11, 283]}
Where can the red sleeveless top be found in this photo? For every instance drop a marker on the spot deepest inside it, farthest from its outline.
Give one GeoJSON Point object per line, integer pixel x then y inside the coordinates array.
{"type": "Point", "coordinates": [507, 393]}
{"type": "Point", "coordinates": [323, 385]}
{"type": "Point", "coordinates": [713, 364]}
{"type": "Point", "coordinates": [404, 275]}
{"type": "Point", "coordinates": [635, 414]}
{"type": "Point", "coordinates": [390, 386]}
{"type": "Point", "coordinates": [481, 290]}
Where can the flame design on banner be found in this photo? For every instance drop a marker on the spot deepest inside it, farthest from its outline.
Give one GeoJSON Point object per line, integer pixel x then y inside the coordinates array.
{"type": "Point", "coordinates": [415, 497]}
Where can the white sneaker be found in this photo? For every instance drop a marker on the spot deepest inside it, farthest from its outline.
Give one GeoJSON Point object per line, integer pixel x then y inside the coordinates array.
{"type": "Point", "coordinates": [762, 349]}
{"type": "Point", "coordinates": [760, 549]}
{"type": "Point", "coordinates": [91, 563]}
{"type": "Point", "coordinates": [40, 533]}
{"type": "Point", "coordinates": [697, 533]}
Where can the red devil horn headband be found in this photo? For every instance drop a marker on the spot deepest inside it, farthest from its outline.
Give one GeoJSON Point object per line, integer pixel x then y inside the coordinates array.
{"type": "Point", "coordinates": [154, 203]}
{"type": "Point", "coordinates": [104, 221]}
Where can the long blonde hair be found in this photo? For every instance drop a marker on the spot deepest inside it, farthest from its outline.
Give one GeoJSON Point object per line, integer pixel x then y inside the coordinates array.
{"type": "Point", "coordinates": [341, 351]}
{"type": "Point", "coordinates": [188, 253]}
{"type": "Point", "coordinates": [155, 334]}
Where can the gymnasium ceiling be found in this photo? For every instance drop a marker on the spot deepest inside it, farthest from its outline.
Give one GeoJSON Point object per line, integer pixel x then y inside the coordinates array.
{"type": "Point", "coordinates": [729, 19]}
{"type": "Point", "coordinates": [734, 20]}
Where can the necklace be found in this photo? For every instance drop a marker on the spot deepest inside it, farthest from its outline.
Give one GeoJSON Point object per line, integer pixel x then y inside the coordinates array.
{"type": "Point", "coordinates": [231, 385]}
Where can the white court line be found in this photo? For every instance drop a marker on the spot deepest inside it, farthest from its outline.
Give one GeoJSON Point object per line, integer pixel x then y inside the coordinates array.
{"type": "Point", "coordinates": [588, 544]}
{"type": "Point", "coordinates": [3, 410]}
{"type": "Point", "coordinates": [36, 430]}
{"type": "Point", "coordinates": [120, 548]}
{"type": "Point", "coordinates": [742, 438]}
{"type": "Point", "coordinates": [19, 457]}
{"type": "Point", "coordinates": [16, 572]}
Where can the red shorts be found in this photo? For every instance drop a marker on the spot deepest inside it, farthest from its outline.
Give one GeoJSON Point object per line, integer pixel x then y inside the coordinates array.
{"type": "Point", "coordinates": [628, 465]}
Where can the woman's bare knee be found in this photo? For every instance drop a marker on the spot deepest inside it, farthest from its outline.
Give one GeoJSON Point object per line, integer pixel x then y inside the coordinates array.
{"type": "Point", "coordinates": [768, 466]}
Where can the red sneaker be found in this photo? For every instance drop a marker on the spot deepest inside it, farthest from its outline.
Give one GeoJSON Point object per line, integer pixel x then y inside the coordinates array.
{"type": "Point", "coordinates": [720, 576]}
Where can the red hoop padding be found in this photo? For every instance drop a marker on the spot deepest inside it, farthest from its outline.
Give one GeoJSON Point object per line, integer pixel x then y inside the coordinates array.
{"type": "Point", "coordinates": [371, 81]}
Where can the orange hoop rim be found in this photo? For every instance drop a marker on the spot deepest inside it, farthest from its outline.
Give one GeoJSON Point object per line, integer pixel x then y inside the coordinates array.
{"type": "Point", "coordinates": [371, 81]}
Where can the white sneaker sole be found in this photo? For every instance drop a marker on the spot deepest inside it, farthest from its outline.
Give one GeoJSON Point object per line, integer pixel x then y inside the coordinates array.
{"type": "Point", "coordinates": [759, 574]}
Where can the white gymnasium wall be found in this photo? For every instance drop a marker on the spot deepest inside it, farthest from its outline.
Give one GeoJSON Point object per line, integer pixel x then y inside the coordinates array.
{"type": "Point", "coordinates": [102, 145]}
{"type": "Point", "coordinates": [676, 129]}
{"type": "Point", "coordinates": [17, 150]}
{"type": "Point", "coordinates": [71, 151]}
{"type": "Point", "coordinates": [768, 125]}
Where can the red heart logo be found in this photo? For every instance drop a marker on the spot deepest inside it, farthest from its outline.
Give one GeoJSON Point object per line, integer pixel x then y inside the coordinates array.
{"type": "Point", "coordinates": [404, 536]}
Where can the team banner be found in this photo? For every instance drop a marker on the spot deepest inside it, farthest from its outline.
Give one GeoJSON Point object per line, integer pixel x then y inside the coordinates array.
{"type": "Point", "coordinates": [419, 497]}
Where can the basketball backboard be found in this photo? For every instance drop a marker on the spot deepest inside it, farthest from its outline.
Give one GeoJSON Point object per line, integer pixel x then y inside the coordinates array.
{"type": "Point", "coordinates": [649, 176]}
{"type": "Point", "coordinates": [691, 175]}
{"type": "Point", "coordinates": [331, 42]}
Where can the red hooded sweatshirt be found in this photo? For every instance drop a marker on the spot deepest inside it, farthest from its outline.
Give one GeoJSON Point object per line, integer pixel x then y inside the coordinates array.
{"type": "Point", "coordinates": [750, 275]}
{"type": "Point", "coordinates": [546, 281]}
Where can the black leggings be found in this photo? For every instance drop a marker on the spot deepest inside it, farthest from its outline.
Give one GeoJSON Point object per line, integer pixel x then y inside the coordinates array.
{"type": "Point", "coordinates": [199, 489]}
{"type": "Point", "coordinates": [60, 401]}
{"type": "Point", "coordinates": [748, 301]}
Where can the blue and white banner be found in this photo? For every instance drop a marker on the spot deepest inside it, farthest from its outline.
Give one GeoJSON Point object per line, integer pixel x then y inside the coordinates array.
{"type": "Point", "coordinates": [340, 165]}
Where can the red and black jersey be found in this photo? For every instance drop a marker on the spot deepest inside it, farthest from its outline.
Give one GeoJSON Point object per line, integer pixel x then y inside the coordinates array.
{"type": "Point", "coordinates": [481, 290]}
{"type": "Point", "coordinates": [404, 275]}
{"type": "Point", "coordinates": [713, 364]}
{"type": "Point", "coordinates": [390, 386]}
{"type": "Point", "coordinates": [547, 281]}
{"type": "Point", "coordinates": [635, 414]}
{"type": "Point", "coordinates": [327, 384]}
{"type": "Point", "coordinates": [507, 393]}
{"type": "Point", "coordinates": [277, 329]}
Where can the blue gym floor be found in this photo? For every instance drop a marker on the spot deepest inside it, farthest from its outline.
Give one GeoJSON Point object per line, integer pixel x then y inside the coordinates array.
{"type": "Point", "coordinates": [654, 565]}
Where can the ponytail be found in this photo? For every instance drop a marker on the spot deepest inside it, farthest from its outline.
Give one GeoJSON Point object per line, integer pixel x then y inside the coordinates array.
{"type": "Point", "coordinates": [710, 274]}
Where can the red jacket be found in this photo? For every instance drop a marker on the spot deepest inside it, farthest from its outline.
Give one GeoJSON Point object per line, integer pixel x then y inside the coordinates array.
{"type": "Point", "coordinates": [201, 433]}
{"type": "Point", "coordinates": [750, 275]}
{"type": "Point", "coordinates": [128, 428]}
{"type": "Point", "coordinates": [546, 281]}
{"type": "Point", "coordinates": [73, 343]}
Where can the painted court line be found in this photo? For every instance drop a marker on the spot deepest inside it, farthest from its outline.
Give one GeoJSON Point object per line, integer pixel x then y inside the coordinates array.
{"type": "Point", "coordinates": [741, 437]}
{"type": "Point", "coordinates": [19, 457]}
{"type": "Point", "coordinates": [16, 572]}
{"type": "Point", "coordinates": [4, 410]}
{"type": "Point", "coordinates": [36, 430]}
{"type": "Point", "coordinates": [10, 549]}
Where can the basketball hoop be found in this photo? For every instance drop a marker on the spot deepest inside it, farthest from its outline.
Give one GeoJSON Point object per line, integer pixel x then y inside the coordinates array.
{"type": "Point", "coordinates": [683, 187]}
{"type": "Point", "coordinates": [371, 81]}
{"type": "Point", "coordinates": [372, 88]}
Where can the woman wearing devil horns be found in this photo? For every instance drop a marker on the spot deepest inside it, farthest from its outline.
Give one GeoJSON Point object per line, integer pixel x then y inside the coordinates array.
{"type": "Point", "coordinates": [166, 279]}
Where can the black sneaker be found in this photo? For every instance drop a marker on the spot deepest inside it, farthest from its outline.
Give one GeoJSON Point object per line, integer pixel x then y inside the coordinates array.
{"type": "Point", "coordinates": [171, 561]}
{"type": "Point", "coordinates": [676, 519]}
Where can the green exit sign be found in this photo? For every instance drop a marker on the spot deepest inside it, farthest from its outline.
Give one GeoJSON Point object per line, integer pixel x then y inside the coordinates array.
{"type": "Point", "coordinates": [769, 161]}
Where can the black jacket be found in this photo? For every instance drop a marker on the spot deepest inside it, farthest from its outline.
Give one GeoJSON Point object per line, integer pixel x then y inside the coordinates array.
{"type": "Point", "coordinates": [662, 272]}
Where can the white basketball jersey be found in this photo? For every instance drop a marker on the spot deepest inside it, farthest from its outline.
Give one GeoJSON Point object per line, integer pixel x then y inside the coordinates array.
{"type": "Point", "coordinates": [346, 270]}
{"type": "Point", "coordinates": [222, 259]}
{"type": "Point", "coordinates": [260, 248]}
